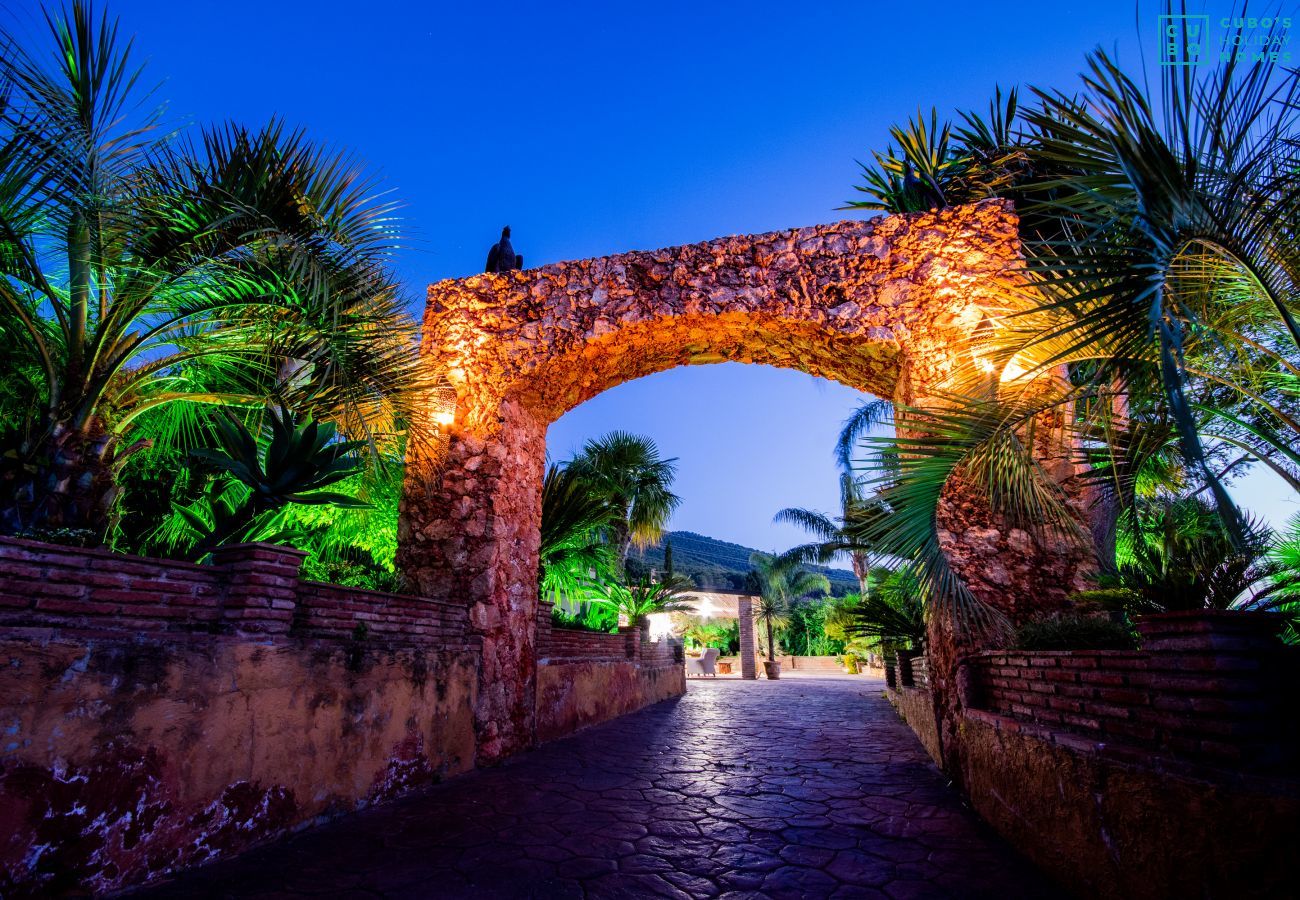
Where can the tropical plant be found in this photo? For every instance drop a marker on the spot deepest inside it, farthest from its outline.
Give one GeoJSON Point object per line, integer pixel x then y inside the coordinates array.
{"type": "Point", "coordinates": [1075, 632]}
{"type": "Point", "coordinates": [298, 458]}
{"type": "Point", "coordinates": [771, 612]}
{"type": "Point", "coordinates": [700, 633]}
{"type": "Point", "coordinates": [146, 274]}
{"type": "Point", "coordinates": [627, 472]}
{"type": "Point", "coordinates": [588, 615]}
{"type": "Point", "coordinates": [643, 597]}
{"type": "Point", "coordinates": [781, 581]}
{"type": "Point", "coordinates": [573, 557]}
{"type": "Point", "coordinates": [1181, 556]}
{"type": "Point", "coordinates": [1160, 274]}
{"type": "Point", "coordinates": [894, 615]}
{"type": "Point", "coordinates": [847, 533]}
{"type": "Point", "coordinates": [1284, 557]}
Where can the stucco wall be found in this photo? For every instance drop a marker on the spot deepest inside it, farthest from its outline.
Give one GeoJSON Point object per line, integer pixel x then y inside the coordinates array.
{"type": "Point", "coordinates": [916, 707]}
{"type": "Point", "coordinates": [573, 695]}
{"type": "Point", "coordinates": [125, 757]}
{"type": "Point", "coordinates": [1112, 829]}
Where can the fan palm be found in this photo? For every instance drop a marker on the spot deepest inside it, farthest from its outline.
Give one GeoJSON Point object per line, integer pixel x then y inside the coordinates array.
{"type": "Point", "coordinates": [781, 580]}
{"type": "Point", "coordinates": [644, 596]}
{"type": "Point", "coordinates": [1161, 273]}
{"type": "Point", "coordinates": [146, 273]}
{"type": "Point", "coordinates": [627, 471]}
{"type": "Point", "coordinates": [573, 553]}
{"type": "Point", "coordinates": [845, 533]}
{"type": "Point", "coordinates": [894, 615]}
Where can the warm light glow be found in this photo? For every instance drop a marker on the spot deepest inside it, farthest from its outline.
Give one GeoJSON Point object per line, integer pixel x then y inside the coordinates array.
{"type": "Point", "coordinates": [1013, 371]}
{"type": "Point", "coordinates": [661, 625]}
{"type": "Point", "coordinates": [444, 417]}
{"type": "Point", "coordinates": [985, 365]}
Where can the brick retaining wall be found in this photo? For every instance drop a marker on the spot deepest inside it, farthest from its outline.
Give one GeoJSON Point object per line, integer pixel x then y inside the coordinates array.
{"type": "Point", "coordinates": [1186, 705]}
{"type": "Point", "coordinates": [248, 589]}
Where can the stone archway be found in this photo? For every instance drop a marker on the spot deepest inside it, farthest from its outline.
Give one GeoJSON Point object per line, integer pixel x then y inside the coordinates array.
{"type": "Point", "coordinates": [880, 305]}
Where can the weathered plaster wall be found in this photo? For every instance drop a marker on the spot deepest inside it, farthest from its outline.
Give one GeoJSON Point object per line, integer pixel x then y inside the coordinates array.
{"type": "Point", "coordinates": [916, 707]}
{"type": "Point", "coordinates": [573, 695]}
{"type": "Point", "coordinates": [126, 757]}
{"type": "Point", "coordinates": [1111, 829]}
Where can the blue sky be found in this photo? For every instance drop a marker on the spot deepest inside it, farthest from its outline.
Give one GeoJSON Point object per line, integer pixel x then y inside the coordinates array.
{"type": "Point", "coordinates": [598, 128]}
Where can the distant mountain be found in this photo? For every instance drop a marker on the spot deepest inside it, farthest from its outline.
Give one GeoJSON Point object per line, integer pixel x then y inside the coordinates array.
{"type": "Point", "coordinates": [719, 565]}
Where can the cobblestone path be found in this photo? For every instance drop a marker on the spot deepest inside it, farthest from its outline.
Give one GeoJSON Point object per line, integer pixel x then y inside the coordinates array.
{"type": "Point", "coordinates": [797, 788]}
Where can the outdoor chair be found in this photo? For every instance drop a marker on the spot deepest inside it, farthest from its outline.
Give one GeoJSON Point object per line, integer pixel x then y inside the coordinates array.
{"type": "Point", "coordinates": [704, 664]}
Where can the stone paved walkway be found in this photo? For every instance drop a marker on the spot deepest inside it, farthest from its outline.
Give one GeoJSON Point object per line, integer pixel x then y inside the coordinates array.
{"type": "Point", "coordinates": [797, 788]}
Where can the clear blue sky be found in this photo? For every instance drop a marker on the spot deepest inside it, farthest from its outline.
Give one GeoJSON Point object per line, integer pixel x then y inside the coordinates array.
{"type": "Point", "coordinates": [594, 128]}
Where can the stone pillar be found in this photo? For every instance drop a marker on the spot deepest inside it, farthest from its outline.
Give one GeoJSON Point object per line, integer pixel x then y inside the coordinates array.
{"type": "Point", "coordinates": [748, 665]}
{"type": "Point", "coordinates": [1015, 572]}
{"type": "Point", "coordinates": [469, 533]}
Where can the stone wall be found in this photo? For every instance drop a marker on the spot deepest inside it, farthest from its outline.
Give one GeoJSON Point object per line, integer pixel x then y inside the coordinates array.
{"type": "Point", "coordinates": [916, 707]}
{"type": "Point", "coordinates": [586, 677]}
{"type": "Point", "coordinates": [159, 714]}
{"type": "Point", "coordinates": [578, 693]}
{"type": "Point", "coordinates": [1175, 704]}
{"type": "Point", "coordinates": [1110, 828]}
{"type": "Point", "coordinates": [885, 305]}
{"type": "Point", "coordinates": [250, 589]}
{"type": "Point", "coordinates": [1165, 772]}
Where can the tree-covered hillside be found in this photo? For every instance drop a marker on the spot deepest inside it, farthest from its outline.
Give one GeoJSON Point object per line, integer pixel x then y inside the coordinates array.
{"type": "Point", "coordinates": [719, 565]}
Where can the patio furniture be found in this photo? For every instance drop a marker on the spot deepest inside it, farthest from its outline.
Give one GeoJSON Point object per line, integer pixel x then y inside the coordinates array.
{"type": "Point", "coordinates": [704, 664]}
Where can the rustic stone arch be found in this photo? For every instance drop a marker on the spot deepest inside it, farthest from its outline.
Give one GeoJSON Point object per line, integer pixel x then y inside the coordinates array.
{"type": "Point", "coordinates": [880, 305]}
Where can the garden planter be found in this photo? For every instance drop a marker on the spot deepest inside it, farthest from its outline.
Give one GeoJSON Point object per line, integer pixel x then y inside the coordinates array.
{"type": "Point", "coordinates": [850, 666]}
{"type": "Point", "coordinates": [772, 669]}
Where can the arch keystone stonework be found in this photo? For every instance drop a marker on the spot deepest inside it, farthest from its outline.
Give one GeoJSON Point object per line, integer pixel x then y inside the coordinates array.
{"type": "Point", "coordinates": [880, 305]}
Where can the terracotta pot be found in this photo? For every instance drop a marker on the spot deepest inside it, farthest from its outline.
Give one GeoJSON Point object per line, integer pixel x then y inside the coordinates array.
{"type": "Point", "coordinates": [772, 669]}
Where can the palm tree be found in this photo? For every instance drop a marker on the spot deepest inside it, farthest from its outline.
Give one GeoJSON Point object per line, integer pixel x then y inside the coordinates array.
{"type": "Point", "coordinates": [573, 555]}
{"type": "Point", "coordinates": [1162, 270]}
{"type": "Point", "coordinates": [895, 615]}
{"type": "Point", "coordinates": [643, 597]}
{"type": "Point", "coordinates": [628, 473]}
{"type": "Point", "coordinates": [781, 581]}
{"type": "Point", "coordinates": [146, 273]}
{"type": "Point", "coordinates": [1179, 555]}
{"type": "Point", "coordinates": [847, 533]}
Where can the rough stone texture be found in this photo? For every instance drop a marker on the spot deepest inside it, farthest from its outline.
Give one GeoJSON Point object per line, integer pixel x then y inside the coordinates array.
{"type": "Point", "coordinates": [881, 305]}
{"type": "Point", "coordinates": [1115, 829]}
{"type": "Point", "coordinates": [799, 788]}
{"type": "Point", "coordinates": [916, 707]}
{"type": "Point", "coordinates": [124, 758]}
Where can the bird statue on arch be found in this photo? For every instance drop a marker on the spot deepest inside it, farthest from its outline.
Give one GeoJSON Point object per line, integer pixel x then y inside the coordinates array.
{"type": "Point", "coordinates": [502, 257]}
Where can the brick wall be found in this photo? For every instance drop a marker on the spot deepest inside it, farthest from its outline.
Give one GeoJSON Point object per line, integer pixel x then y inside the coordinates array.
{"type": "Point", "coordinates": [248, 589]}
{"type": "Point", "coordinates": [568, 643]}
{"type": "Point", "coordinates": [1189, 705]}
{"type": "Point", "coordinates": [43, 584]}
